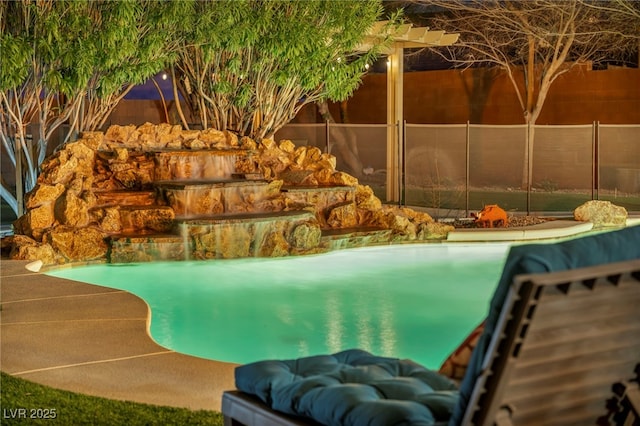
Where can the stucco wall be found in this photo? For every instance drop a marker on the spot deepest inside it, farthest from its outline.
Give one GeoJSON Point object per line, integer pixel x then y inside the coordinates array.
{"type": "Point", "coordinates": [478, 96]}
{"type": "Point", "coordinates": [487, 97]}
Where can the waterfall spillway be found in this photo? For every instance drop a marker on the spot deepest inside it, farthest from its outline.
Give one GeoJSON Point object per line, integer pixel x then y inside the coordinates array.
{"type": "Point", "coordinates": [197, 165]}
{"type": "Point", "coordinates": [215, 197]}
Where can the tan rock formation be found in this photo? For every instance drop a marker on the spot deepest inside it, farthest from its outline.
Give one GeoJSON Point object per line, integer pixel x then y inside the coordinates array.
{"type": "Point", "coordinates": [72, 210]}
{"type": "Point", "coordinates": [601, 214]}
{"type": "Point", "coordinates": [273, 244]}
{"type": "Point", "coordinates": [25, 248]}
{"type": "Point", "coordinates": [248, 143]}
{"type": "Point", "coordinates": [103, 192]}
{"type": "Point", "coordinates": [343, 216]}
{"type": "Point", "coordinates": [306, 236]}
{"type": "Point", "coordinates": [149, 218]}
{"type": "Point", "coordinates": [75, 160]}
{"type": "Point", "coordinates": [108, 219]}
{"type": "Point", "coordinates": [366, 199]}
{"type": "Point", "coordinates": [35, 222]}
{"type": "Point", "coordinates": [44, 195]}
{"type": "Point", "coordinates": [433, 231]}
{"type": "Point", "coordinates": [77, 244]}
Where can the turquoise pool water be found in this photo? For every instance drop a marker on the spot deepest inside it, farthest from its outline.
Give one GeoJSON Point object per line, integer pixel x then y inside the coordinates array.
{"type": "Point", "coordinates": [407, 301]}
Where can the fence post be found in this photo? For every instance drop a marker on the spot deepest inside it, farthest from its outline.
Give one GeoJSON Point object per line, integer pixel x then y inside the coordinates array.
{"type": "Point", "coordinates": [529, 166]}
{"type": "Point", "coordinates": [401, 169]}
{"type": "Point", "coordinates": [466, 172]}
{"type": "Point", "coordinates": [595, 158]}
{"type": "Point", "coordinates": [326, 137]}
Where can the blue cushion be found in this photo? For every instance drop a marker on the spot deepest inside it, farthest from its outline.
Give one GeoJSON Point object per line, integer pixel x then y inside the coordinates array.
{"type": "Point", "coordinates": [608, 247]}
{"type": "Point", "coordinates": [352, 387]}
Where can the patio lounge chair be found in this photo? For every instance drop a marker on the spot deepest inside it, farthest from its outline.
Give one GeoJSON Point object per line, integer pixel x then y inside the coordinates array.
{"type": "Point", "coordinates": [561, 346]}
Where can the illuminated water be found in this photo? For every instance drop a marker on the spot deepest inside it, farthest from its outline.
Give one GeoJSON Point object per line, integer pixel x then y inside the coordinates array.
{"type": "Point", "coordinates": [409, 301]}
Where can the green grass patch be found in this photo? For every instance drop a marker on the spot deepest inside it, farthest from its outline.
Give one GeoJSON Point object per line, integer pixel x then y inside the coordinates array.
{"type": "Point", "coordinates": [28, 403]}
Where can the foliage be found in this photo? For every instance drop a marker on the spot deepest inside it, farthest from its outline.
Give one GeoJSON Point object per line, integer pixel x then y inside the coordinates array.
{"type": "Point", "coordinates": [246, 65]}
{"type": "Point", "coordinates": [76, 409]}
{"type": "Point", "coordinates": [249, 65]}
{"type": "Point", "coordinates": [72, 61]}
{"type": "Point", "coordinates": [132, 41]}
{"type": "Point", "coordinates": [39, 76]}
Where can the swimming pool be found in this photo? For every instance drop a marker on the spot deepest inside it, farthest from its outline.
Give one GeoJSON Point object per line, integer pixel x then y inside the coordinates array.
{"type": "Point", "coordinates": [409, 301]}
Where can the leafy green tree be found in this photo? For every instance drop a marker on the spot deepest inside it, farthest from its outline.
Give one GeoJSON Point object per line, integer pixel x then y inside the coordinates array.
{"type": "Point", "coordinates": [71, 62]}
{"type": "Point", "coordinates": [42, 70]}
{"type": "Point", "coordinates": [131, 42]}
{"type": "Point", "coordinates": [250, 65]}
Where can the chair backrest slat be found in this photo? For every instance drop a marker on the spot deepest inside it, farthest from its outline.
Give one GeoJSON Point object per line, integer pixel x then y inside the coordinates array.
{"type": "Point", "coordinates": [562, 341]}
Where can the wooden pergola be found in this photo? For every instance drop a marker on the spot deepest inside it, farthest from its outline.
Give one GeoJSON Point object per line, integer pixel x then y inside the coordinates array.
{"type": "Point", "coordinates": [404, 36]}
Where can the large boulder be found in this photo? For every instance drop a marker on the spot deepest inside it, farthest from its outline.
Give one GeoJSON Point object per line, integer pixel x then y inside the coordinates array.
{"type": "Point", "coordinates": [75, 160]}
{"type": "Point", "coordinates": [274, 244]}
{"type": "Point", "coordinates": [44, 194]}
{"type": "Point", "coordinates": [25, 248]}
{"type": "Point", "coordinates": [35, 222]}
{"type": "Point", "coordinates": [601, 214]}
{"type": "Point", "coordinates": [366, 199]}
{"type": "Point", "coordinates": [343, 216]}
{"type": "Point", "coordinates": [72, 210]}
{"type": "Point", "coordinates": [433, 231]}
{"type": "Point", "coordinates": [306, 236]}
{"type": "Point", "coordinates": [77, 244]}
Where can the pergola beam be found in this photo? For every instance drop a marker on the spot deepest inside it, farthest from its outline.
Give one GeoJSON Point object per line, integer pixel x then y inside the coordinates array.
{"type": "Point", "coordinates": [407, 34]}
{"type": "Point", "coordinates": [403, 37]}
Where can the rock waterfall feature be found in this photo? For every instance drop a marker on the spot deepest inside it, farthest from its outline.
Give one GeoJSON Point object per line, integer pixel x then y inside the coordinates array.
{"type": "Point", "coordinates": [158, 192]}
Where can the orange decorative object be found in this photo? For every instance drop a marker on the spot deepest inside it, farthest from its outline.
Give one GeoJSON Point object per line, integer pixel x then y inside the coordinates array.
{"type": "Point", "coordinates": [491, 216]}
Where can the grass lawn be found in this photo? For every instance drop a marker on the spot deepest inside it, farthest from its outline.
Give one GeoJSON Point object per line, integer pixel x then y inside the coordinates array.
{"type": "Point", "coordinates": [28, 403]}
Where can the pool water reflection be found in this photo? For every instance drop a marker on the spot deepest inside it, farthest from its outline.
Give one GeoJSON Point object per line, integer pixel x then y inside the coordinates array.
{"type": "Point", "coordinates": [407, 301]}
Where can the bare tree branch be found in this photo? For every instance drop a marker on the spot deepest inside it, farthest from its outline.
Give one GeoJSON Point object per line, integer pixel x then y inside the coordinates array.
{"type": "Point", "coordinates": [535, 41]}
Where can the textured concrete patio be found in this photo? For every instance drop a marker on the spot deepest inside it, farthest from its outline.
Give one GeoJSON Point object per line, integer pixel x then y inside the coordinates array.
{"type": "Point", "coordinates": [93, 340]}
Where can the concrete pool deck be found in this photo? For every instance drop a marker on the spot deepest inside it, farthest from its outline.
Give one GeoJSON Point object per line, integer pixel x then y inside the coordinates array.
{"type": "Point", "coordinates": [93, 340]}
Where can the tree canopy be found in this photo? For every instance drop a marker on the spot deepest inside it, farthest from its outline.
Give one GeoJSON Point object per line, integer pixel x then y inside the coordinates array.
{"type": "Point", "coordinates": [244, 65]}
{"type": "Point", "coordinates": [40, 76]}
{"type": "Point", "coordinates": [249, 66]}
{"type": "Point", "coordinates": [67, 61]}
{"type": "Point", "coordinates": [132, 41]}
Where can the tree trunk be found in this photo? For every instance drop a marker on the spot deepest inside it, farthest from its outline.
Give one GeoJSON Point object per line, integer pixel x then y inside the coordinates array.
{"type": "Point", "coordinates": [527, 167]}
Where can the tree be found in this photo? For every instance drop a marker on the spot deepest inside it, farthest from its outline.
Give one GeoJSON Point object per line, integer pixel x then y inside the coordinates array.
{"type": "Point", "coordinates": [533, 42]}
{"type": "Point", "coordinates": [625, 15]}
{"type": "Point", "coordinates": [132, 41]}
{"type": "Point", "coordinates": [42, 70]}
{"type": "Point", "coordinates": [71, 62]}
{"type": "Point", "coordinates": [249, 66]}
